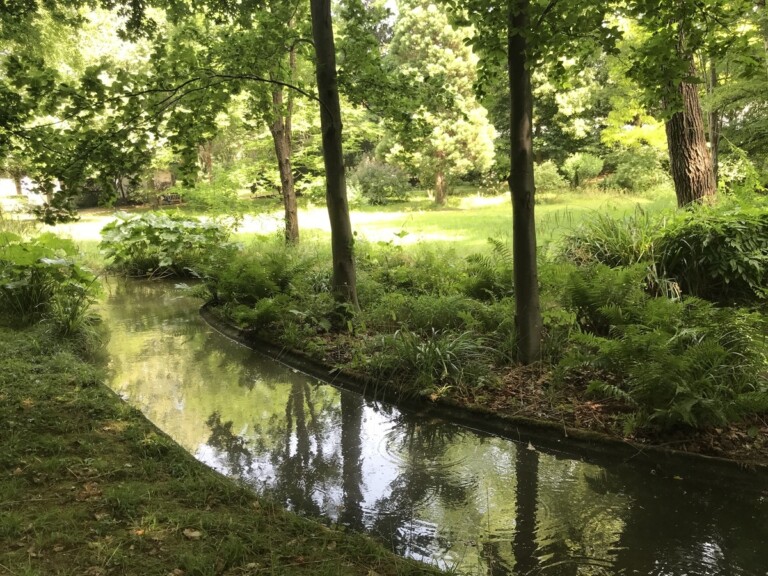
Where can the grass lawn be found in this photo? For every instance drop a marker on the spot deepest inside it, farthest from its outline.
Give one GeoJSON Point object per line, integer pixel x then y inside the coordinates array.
{"type": "Point", "coordinates": [465, 223]}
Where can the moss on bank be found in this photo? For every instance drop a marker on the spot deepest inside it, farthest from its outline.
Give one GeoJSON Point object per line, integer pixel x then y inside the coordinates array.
{"type": "Point", "coordinates": [89, 487]}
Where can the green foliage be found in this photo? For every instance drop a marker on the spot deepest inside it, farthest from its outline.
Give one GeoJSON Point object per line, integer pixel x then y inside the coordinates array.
{"type": "Point", "coordinates": [548, 178]}
{"type": "Point", "coordinates": [673, 362]}
{"type": "Point", "coordinates": [422, 364]}
{"type": "Point", "coordinates": [489, 276]}
{"type": "Point", "coordinates": [263, 270]}
{"type": "Point", "coordinates": [614, 241]}
{"type": "Point", "coordinates": [380, 183]}
{"type": "Point", "coordinates": [738, 175]}
{"type": "Point", "coordinates": [580, 167]}
{"type": "Point", "coordinates": [636, 169]}
{"type": "Point", "coordinates": [717, 253]}
{"type": "Point", "coordinates": [40, 280]}
{"type": "Point", "coordinates": [159, 244]}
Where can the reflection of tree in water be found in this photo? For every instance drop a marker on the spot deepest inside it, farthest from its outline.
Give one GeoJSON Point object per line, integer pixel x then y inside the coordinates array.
{"type": "Point", "coordinates": [524, 546]}
{"type": "Point", "coordinates": [306, 467]}
{"type": "Point", "coordinates": [239, 459]}
{"type": "Point", "coordinates": [352, 459]}
{"type": "Point", "coordinates": [423, 473]}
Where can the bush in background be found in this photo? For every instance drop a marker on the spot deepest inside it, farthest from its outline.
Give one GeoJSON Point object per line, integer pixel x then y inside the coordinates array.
{"type": "Point", "coordinates": [580, 167]}
{"type": "Point", "coordinates": [636, 169]}
{"type": "Point", "coordinates": [547, 178]}
{"type": "Point", "coordinates": [380, 183]}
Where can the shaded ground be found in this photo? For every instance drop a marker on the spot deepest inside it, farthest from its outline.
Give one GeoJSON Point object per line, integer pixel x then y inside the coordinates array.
{"type": "Point", "coordinates": [524, 391]}
{"type": "Point", "coordinates": [89, 487]}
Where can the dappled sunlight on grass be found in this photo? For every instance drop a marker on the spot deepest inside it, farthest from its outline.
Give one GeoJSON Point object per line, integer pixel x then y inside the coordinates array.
{"type": "Point", "coordinates": [465, 224]}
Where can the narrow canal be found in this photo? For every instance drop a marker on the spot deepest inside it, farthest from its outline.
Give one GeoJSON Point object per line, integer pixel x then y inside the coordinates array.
{"type": "Point", "coordinates": [445, 494]}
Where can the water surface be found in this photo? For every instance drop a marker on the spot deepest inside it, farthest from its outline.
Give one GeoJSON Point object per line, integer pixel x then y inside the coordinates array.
{"type": "Point", "coordinates": [429, 489]}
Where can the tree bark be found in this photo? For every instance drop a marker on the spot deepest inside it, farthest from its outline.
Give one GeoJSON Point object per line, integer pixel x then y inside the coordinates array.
{"type": "Point", "coordinates": [689, 158]}
{"type": "Point", "coordinates": [205, 154]}
{"type": "Point", "coordinates": [342, 240]}
{"type": "Point", "coordinates": [528, 313]}
{"type": "Point", "coordinates": [714, 123]}
{"type": "Point", "coordinates": [17, 183]}
{"type": "Point", "coordinates": [281, 135]}
{"type": "Point", "coordinates": [441, 188]}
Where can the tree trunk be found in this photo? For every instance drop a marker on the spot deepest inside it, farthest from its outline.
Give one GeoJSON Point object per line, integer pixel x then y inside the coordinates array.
{"type": "Point", "coordinates": [689, 158]}
{"type": "Point", "coordinates": [342, 240]}
{"type": "Point", "coordinates": [17, 183]}
{"type": "Point", "coordinates": [714, 122]}
{"type": "Point", "coordinates": [205, 154]}
{"type": "Point", "coordinates": [521, 186]}
{"type": "Point", "coordinates": [281, 136]}
{"type": "Point", "coordinates": [441, 188]}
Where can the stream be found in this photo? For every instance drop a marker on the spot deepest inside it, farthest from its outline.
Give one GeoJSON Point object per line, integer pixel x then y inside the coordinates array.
{"type": "Point", "coordinates": [429, 489]}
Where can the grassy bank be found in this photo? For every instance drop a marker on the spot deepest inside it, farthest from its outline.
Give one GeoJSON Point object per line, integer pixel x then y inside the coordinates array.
{"type": "Point", "coordinates": [90, 487]}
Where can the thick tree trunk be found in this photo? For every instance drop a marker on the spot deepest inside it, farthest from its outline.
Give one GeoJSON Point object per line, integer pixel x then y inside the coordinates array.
{"type": "Point", "coordinates": [441, 188]}
{"type": "Point", "coordinates": [521, 186]}
{"type": "Point", "coordinates": [689, 157]}
{"type": "Point", "coordinates": [342, 240]}
{"type": "Point", "coordinates": [282, 138]}
{"type": "Point", "coordinates": [17, 183]}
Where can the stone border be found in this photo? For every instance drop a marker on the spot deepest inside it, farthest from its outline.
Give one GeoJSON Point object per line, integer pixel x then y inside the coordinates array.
{"type": "Point", "coordinates": [546, 436]}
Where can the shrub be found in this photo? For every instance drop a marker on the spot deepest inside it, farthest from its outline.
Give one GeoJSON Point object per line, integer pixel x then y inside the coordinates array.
{"type": "Point", "coordinates": [426, 313]}
{"type": "Point", "coordinates": [738, 174]}
{"type": "Point", "coordinates": [39, 279]}
{"type": "Point", "coordinates": [489, 277]}
{"type": "Point", "coordinates": [420, 364]}
{"type": "Point", "coordinates": [159, 245]}
{"type": "Point", "coordinates": [263, 270]}
{"type": "Point", "coordinates": [380, 183]}
{"type": "Point", "coordinates": [547, 178]}
{"type": "Point", "coordinates": [636, 169]}
{"type": "Point", "coordinates": [614, 241]}
{"type": "Point", "coordinates": [718, 254]}
{"type": "Point", "coordinates": [673, 362]}
{"type": "Point", "coordinates": [580, 167]}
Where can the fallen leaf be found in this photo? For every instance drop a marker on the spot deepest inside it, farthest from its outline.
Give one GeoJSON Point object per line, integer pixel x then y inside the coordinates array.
{"type": "Point", "coordinates": [192, 534]}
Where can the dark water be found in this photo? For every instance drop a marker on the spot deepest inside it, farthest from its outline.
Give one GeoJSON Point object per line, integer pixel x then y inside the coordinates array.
{"type": "Point", "coordinates": [430, 489]}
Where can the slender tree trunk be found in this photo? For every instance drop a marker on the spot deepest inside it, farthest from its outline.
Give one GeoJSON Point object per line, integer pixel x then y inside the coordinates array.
{"type": "Point", "coordinates": [689, 158]}
{"type": "Point", "coordinates": [441, 188]}
{"type": "Point", "coordinates": [342, 240]}
{"type": "Point", "coordinates": [528, 313]}
{"type": "Point", "coordinates": [281, 135]}
{"type": "Point", "coordinates": [714, 122]}
{"type": "Point", "coordinates": [205, 154]}
{"type": "Point", "coordinates": [17, 183]}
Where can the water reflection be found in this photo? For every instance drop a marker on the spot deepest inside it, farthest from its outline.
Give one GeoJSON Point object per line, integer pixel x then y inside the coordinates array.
{"type": "Point", "coordinates": [429, 489]}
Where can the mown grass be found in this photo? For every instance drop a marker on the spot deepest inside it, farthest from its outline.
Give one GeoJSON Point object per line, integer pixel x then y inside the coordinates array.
{"type": "Point", "coordinates": [467, 220]}
{"type": "Point", "coordinates": [89, 487]}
